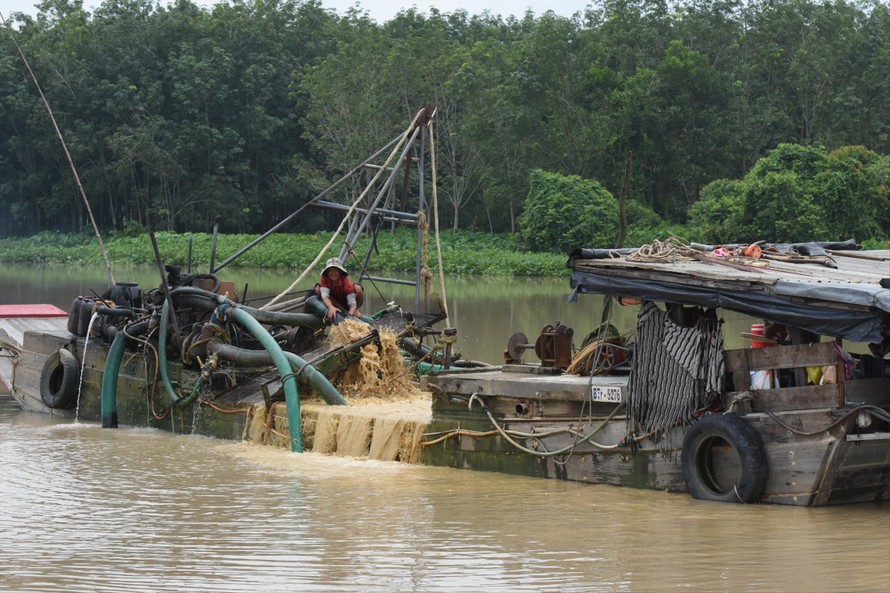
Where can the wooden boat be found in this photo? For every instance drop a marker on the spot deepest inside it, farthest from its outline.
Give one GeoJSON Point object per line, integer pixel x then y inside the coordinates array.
{"type": "Point", "coordinates": [685, 416]}
{"type": "Point", "coordinates": [191, 356]}
{"type": "Point", "coordinates": [15, 320]}
{"type": "Point", "coordinates": [671, 410]}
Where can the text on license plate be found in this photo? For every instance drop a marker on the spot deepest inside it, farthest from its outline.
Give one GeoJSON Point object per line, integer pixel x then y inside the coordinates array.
{"type": "Point", "coordinates": [605, 394]}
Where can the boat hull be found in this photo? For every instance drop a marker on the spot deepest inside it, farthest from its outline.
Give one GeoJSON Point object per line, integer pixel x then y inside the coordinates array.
{"type": "Point", "coordinates": [833, 465]}
{"type": "Point", "coordinates": [140, 400]}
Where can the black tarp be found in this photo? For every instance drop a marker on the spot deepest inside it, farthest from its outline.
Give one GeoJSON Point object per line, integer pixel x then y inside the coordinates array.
{"type": "Point", "coordinates": [870, 326]}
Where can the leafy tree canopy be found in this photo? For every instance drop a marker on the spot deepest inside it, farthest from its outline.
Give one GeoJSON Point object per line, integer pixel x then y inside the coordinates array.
{"type": "Point", "coordinates": [799, 193]}
{"type": "Point", "coordinates": [565, 212]}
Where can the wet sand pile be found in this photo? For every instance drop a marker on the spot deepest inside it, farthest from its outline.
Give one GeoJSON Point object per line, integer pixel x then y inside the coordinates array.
{"type": "Point", "coordinates": [381, 373]}
{"type": "Point", "coordinates": [385, 420]}
{"type": "Point", "coordinates": [387, 431]}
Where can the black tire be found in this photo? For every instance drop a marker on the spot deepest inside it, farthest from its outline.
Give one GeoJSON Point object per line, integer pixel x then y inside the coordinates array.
{"type": "Point", "coordinates": [58, 381]}
{"type": "Point", "coordinates": [712, 441]}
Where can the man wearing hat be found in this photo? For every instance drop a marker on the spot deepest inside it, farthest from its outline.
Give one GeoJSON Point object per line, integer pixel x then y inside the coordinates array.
{"type": "Point", "coordinates": [337, 291]}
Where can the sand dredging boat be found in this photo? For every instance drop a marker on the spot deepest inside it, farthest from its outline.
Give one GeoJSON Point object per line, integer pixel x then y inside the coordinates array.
{"type": "Point", "coordinates": [191, 356]}
{"type": "Point", "coordinates": [795, 419]}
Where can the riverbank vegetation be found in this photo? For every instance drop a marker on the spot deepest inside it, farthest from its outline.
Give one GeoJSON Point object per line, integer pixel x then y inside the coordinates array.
{"type": "Point", "coordinates": [176, 115]}
{"type": "Point", "coordinates": [464, 253]}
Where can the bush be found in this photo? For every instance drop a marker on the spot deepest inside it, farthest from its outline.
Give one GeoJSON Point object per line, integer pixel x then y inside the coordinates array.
{"type": "Point", "coordinates": [717, 216]}
{"type": "Point", "coordinates": [799, 193]}
{"type": "Point", "coordinates": [463, 253]}
{"type": "Point", "coordinates": [805, 161]}
{"type": "Point", "coordinates": [854, 192]}
{"type": "Point", "coordinates": [779, 207]}
{"type": "Point", "coordinates": [565, 212]}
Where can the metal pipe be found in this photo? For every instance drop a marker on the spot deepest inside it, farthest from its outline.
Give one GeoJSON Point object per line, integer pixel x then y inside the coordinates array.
{"type": "Point", "coordinates": [213, 244]}
{"type": "Point", "coordinates": [390, 280]}
{"type": "Point", "coordinates": [162, 352]}
{"type": "Point", "coordinates": [420, 207]}
{"type": "Point", "coordinates": [164, 286]}
{"type": "Point", "coordinates": [350, 241]}
{"type": "Point", "coordinates": [261, 315]}
{"type": "Point", "coordinates": [257, 358]}
{"type": "Point", "coordinates": [116, 311]}
{"type": "Point", "coordinates": [388, 214]}
{"type": "Point", "coordinates": [293, 303]}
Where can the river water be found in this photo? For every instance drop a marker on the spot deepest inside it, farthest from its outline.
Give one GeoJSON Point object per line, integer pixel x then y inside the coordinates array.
{"type": "Point", "coordinates": [88, 510]}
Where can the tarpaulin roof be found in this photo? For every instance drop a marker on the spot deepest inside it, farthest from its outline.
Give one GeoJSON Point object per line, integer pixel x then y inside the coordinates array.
{"type": "Point", "coordinates": [836, 291]}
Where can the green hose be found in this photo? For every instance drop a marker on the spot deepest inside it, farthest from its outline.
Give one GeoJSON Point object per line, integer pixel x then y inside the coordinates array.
{"type": "Point", "coordinates": [109, 380]}
{"type": "Point", "coordinates": [311, 375]}
{"type": "Point", "coordinates": [288, 380]}
{"type": "Point", "coordinates": [196, 390]}
{"type": "Point", "coordinates": [425, 368]}
{"type": "Point", "coordinates": [317, 380]}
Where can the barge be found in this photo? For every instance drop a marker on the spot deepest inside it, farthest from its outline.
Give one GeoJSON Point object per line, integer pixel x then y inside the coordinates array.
{"type": "Point", "coordinates": [795, 419]}
{"type": "Point", "coordinates": [800, 421]}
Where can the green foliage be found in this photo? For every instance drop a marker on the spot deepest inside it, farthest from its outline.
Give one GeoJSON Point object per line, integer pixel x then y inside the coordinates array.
{"type": "Point", "coordinates": [876, 244]}
{"type": "Point", "coordinates": [463, 253]}
{"type": "Point", "coordinates": [176, 114]}
{"type": "Point", "coordinates": [640, 215]}
{"type": "Point", "coordinates": [799, 193]}
{"type": "Point", "coordinates": [854, 192]}
{"type": "Point", "coordinates": [779, 207]}
{"type": "Point", "coordinates": [781, 197]}
{"type": "Point", "coordinates": [644, 225]}
{"type": "Point", "coordinates": [131, 228]}
{"type": "Point", "coordinates": [717, 216]}
{"type": "Point", "coordinates": [565, 212]}
{"type": "Point", "coordinates": [637, 236]}
{"type": "Point", "coordinates": [804, 161]}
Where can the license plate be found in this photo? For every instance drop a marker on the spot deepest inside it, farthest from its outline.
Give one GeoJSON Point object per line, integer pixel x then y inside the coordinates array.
{"type": "Point", "coordinates": [605, 394]}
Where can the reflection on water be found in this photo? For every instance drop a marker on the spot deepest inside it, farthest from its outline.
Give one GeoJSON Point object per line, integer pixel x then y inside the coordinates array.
{"type": "Point", "coordinates": [91, 509]}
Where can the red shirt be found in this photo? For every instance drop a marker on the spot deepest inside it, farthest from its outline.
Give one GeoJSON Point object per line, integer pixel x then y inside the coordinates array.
{"type": "Point", "coordinates": [340, 289]}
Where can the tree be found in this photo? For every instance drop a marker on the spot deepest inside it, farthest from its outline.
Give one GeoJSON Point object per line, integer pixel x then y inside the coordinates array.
{"type": "Point", "coordinates": [780, 197]}
{"type": "Point", "coordinates": [800, 193]}
{"type": "Point", "coordinates": [718, 214]}
{"type": "Point", "coordinates": [779, 207]}
{"type": "Point", "coordinates": [565, 212]}
{"type": "Point", "coordinates": [854, 193]}
{"type": "Point", "coordinates": [175, 114]}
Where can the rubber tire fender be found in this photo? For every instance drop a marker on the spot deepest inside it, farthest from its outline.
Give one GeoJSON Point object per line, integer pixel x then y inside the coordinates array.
{"type": "Point", "coordinates": [58, 380]}
{"type": "Point", "coordinates": [719, 430]}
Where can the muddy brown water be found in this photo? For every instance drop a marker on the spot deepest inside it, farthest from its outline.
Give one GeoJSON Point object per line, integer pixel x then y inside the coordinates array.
{"type": "Point", "coordinates": [93, 510]}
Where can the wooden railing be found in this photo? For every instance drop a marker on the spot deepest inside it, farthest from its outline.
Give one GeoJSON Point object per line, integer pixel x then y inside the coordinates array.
{"type": "Point", "coordinates": [741, 363]}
